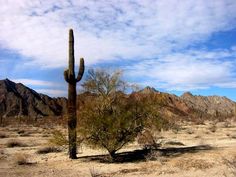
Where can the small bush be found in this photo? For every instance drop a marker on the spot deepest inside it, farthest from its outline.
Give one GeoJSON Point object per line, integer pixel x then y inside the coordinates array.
{"type": "Point", "coordinates": [148, 140]}
{"type": "Point", "coordinates": [213, 128]}
{"type": "Point", "coordinates": [15, 143]}
{"type": "Point", "coordinates": [49, 149]}
{"type": "Point", "coordinates": [3, 135]}
{"type": "Point", "coordinates": [21, 132]}
{"type": "Point", "coordinates": [174, 143]}
{"type": "Point", "coordinates": [190, 131]}
{"type": "Point", "coordinates": [25, 134]}
{"type": "Point", "coordinates": [58, 138]}
{"type": "Point", "coordinates": [22, 159]}
{"type": "Point", "coordinates": [233, 136]}
{"type": "Point", "coordinates": [2, 154]}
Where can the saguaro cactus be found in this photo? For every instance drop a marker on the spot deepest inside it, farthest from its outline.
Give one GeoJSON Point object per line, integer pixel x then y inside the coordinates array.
{"type": "Point", "coordinates": [69, 76]}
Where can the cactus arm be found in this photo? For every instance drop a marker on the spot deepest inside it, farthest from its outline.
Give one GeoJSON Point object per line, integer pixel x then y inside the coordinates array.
{"type": "Point", "coordinates": [81, 70]}
{"type": "Point", "coordinates": [66, 75]}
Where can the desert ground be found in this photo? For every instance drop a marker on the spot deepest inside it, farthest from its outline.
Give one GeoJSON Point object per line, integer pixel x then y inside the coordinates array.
{"type": "Point", "coordinates": [207, 149]}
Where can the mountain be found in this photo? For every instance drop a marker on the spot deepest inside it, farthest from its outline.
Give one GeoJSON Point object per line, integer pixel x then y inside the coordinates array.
{"type": "Point", "coordinates": [216, 106]}
{"type": "Point", "coordinates": [192, 107]}
{"type": "Point", "coordinates": [18, 100]}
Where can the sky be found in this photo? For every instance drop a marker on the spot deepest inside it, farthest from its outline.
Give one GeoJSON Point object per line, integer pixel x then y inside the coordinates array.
{"type": "Point", "coordinates": [171, 45]}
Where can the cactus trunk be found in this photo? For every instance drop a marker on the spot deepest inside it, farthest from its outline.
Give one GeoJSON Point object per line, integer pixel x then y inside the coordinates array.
{"type": "Point", "coordinates": [69, 76]}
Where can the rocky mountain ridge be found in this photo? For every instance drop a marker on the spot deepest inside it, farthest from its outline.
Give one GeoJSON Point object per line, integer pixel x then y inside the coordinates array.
{"type": "Point", "coordinates": [194, 106]}
{"type": "Point", "coordinates": [18, 100]}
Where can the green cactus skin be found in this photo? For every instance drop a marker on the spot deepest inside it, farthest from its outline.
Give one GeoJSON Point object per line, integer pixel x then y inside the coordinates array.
{"type": "Point", "coordinates": [70, 78]}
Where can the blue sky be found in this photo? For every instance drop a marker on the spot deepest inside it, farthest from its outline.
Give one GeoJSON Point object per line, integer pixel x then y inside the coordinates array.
{"type": "Point", "coordinates": [174, 46]}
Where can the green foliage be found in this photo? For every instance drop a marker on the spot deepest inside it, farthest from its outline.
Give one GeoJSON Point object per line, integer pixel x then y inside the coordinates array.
{"type": "Point", "coordinates": [111, 119]}
{"type": "Point", "coordinates": [111, 124]}
{"type": "Point", "coordinates": [104, 83]}
{"type": "Point", "coordinates": [59, 139]}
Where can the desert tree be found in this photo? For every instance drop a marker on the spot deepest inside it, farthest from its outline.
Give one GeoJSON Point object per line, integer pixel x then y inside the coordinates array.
{"type": "Point", "coordinates": [111, 119]}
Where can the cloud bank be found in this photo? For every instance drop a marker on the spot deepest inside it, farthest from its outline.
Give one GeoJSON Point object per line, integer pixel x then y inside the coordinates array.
{"type": "Point", "coordinates": [155, 35]}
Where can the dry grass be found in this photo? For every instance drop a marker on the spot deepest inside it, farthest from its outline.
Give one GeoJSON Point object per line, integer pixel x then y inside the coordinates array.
{"type": "Point", "coordinates": [49, 149]}
{"type": "Point", "coordinates": [15, 143]}
{"type": "Point", "coordinates": [187, 164]}
{"type": "Point", "coordinates": [94, 172]}
{"type": "Point", "coordinates": [231, 164]}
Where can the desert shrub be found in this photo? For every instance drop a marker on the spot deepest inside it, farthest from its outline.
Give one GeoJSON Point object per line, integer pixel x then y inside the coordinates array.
{"type": "Point", "coordinates": [3, 135]}
{"type": "Point", "coordinates": [233, 136]}
{"type": "Point", "coordinates": [22, 159]}
{"type": "Point", "coordinates": [58, 138]}
{"type": "Point", "coordinates": [190, 131]}
{"type": "Point", "coordinates": [15, 143]}
{"type": "Point", "coordinates": [149, 140]}
{"type": "Point", "coordinates": [213, 128]}
{"type": "Point", "coordinates": [21, 132]}
{"type": "Point", "coordinates": [49, 149]}
{"type": "Point", "coordinates": [110, 126]}
{"type": "Point", "coordinates": [25, 134]}
{"type": "Point", "coordinates": [112, 119]}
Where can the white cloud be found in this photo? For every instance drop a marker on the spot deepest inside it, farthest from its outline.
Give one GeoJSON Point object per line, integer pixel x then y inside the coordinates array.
{"type": "Point", "coordinates": [52, 92]}
{"type": "Point", "coordinates": [109, 30]}
{"type": "Point", "coordinates": [188, 70]}
{"type": "Point", "coordinates": [33, 82]}
{"type": "Point", "coordinates": [153, 33]}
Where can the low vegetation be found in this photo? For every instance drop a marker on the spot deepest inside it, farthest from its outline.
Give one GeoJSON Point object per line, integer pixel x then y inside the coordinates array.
{"type": "Point", "coordinates": [22, 159]}
{"type": "Point", "coordinates": [48, 149]}
{"type": "Point", "coordinates": [58, 138]}
{"type": "Point", "coordinates": [3, 135]}
{"type": "Point", "coordinates": [111, 119]}
{"type": "Point", "coordinates": [15, 143]}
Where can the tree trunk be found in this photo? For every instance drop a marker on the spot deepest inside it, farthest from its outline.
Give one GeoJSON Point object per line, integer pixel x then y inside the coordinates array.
{"type": "Point", "coordinates": [112, 155]}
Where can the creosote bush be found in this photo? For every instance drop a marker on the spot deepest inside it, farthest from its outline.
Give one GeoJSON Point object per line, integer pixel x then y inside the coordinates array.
{"type": "Point", "coordinates": [15, 143]}
{"type": "Point", "coordinates": [22, 159]}
{"type": "Point", "coordinates": [49, 149]}
{"type": "Point", "coordinates": [58, 138]}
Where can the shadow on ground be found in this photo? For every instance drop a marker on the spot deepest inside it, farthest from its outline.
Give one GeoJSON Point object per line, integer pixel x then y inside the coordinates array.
{"type": "Point", "coordinates": [141, 155]}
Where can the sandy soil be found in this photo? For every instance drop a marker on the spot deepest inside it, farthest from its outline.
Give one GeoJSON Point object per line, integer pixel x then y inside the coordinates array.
{"type": "Point", "coordinates": [206, 150]}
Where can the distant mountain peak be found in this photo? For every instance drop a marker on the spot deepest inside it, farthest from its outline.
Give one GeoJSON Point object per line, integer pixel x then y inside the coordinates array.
{"type": "Point", "coordinates": [187, 94]}
{"type": "Point", "coordinates": [149, 89]}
